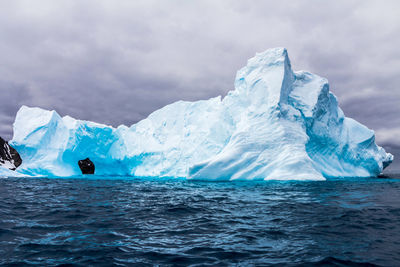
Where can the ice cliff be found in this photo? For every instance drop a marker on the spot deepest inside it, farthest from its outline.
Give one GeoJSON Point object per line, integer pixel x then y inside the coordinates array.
{"type": "Point", "coordinates": [276, 124]}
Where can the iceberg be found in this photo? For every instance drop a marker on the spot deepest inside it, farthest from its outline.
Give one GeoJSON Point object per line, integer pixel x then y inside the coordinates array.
{"type": "Point", "coordinates": [276, 124]}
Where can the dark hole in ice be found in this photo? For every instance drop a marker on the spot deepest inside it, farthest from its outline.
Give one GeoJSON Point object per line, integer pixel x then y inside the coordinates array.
{"type": "Point", "coordinates": [86, 166]}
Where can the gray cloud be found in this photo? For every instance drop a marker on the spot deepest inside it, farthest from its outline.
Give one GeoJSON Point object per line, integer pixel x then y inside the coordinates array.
{"type": "Point", "coordinates": [114, 62]}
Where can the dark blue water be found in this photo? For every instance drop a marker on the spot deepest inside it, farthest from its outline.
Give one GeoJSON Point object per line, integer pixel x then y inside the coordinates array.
{"type": "Point", "coordinates": [129, 222]}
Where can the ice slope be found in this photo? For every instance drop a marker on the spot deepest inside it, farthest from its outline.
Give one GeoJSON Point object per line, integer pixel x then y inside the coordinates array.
{"type": "Point", "coordinates": [276, 124]}
{"type": "Point", "coordinates": [6, 172]}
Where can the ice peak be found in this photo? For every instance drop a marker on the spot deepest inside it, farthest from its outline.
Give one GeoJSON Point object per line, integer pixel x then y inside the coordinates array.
{"type": "Point", "coordinates": [267, 77]}
{"type": "Point", "coordinates": [273, 56]}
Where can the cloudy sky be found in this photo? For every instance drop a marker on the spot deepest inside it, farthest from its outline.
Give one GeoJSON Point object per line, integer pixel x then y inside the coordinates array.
{"type": "Point", "coordinates": [115, 62]}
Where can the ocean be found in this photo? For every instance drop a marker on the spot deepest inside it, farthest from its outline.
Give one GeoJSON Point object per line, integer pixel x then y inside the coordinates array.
{"type": "Point", "coordinates": [122, 221]}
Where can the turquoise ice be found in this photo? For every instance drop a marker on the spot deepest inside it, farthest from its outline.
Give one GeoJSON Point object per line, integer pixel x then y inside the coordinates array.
{"type": "Point", "coordinates": [275, 124]}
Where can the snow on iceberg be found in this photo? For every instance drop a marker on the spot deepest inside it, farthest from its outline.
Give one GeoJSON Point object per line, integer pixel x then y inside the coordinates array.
{"type": "Point", "coordinates": [5, 173]}
{"type": "Point", "coordinates": [276, 124]}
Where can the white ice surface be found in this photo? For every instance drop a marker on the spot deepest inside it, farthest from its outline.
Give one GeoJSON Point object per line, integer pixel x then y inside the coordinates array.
{"type": "Point", "coordinates": [276, 124]}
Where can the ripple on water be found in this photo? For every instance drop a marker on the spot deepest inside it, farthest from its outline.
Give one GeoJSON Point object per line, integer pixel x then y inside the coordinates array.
{"type": "Point", "coordinates": [145, 222]}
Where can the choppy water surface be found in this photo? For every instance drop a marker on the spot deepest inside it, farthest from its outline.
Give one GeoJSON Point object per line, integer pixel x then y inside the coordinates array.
{"type": "Point", "coordinates": [169, 222]}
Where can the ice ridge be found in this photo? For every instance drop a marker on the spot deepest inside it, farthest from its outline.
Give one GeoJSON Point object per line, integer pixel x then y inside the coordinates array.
{"type": "Point", "coordinates": [276, 124]}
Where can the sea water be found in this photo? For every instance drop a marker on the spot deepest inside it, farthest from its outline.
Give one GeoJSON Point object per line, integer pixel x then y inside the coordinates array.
{"type": "Point", "coordinates": [130, 221]}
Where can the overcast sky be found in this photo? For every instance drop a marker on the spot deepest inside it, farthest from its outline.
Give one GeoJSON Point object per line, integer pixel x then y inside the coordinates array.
{"type": "Point", "coordinates": [115, 62]}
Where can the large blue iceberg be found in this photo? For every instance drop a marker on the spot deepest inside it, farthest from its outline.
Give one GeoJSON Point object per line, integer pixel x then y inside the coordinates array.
{"type": "Point", "coordinates": [276, 124]}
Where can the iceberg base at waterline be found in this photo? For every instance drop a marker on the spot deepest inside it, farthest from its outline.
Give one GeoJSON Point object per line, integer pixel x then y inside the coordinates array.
{"type": "Point", "coordinates": [276, 124]}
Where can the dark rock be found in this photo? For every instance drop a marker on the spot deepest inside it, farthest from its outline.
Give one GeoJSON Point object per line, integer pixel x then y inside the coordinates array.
{"type": "Point", "coordinates": [87, 166]}
{"type": "Point", "coordinates": [9, 156]}
{"type": "Point", "coordinates": [389, 175]}
{"type": "Point", "coordinates": [383, 176]}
